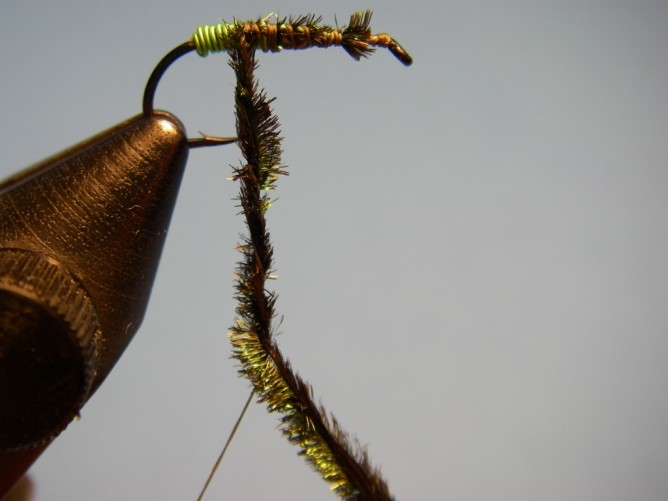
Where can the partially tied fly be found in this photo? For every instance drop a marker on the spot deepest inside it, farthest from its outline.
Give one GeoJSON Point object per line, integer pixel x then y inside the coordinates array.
{"type": "Point", "coordinates": [297, 33]}
{"type": "Point", "coordinates": [341, 462]}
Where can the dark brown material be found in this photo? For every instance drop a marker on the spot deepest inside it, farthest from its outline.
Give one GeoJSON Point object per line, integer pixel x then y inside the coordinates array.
{"type": "Point", "coordinates": [330, 451]}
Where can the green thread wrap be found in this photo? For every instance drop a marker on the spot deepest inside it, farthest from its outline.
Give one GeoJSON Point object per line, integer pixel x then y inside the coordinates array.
{"type": "Point", "coordinates": [214, 38]}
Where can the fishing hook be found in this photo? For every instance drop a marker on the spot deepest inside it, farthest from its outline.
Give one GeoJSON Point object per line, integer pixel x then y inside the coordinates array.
{"type": "Point", "coordinates": [152, 85]}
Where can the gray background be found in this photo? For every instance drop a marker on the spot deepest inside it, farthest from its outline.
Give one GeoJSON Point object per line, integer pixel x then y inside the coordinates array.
{"type": "Point", "coordinates": [472, 251]}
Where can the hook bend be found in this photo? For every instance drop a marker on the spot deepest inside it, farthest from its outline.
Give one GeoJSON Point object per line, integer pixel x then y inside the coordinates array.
{"type": "Point", "coordinates": [152, 85]}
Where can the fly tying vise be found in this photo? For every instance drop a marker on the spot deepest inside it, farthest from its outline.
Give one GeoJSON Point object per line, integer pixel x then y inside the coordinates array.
{"type": "Point", "coordinates": [81, 235]}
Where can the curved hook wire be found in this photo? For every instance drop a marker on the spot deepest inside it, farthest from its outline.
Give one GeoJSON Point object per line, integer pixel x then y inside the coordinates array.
{"type": "Point", "coordinates": [152, 85]}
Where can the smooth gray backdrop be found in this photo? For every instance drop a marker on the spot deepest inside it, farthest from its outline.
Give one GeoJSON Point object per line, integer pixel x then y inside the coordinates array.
{"type": "Point", "coordinates": [473, 251]}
